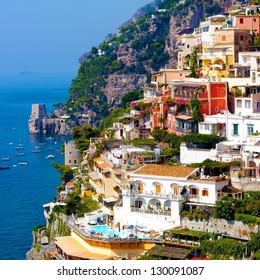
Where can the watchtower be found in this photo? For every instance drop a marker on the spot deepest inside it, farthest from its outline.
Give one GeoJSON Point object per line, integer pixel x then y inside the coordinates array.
{"type": "Point", "coordinates": [38, 111]}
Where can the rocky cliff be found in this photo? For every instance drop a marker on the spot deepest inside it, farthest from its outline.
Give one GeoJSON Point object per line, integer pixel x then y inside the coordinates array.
{"type": "Point", "coordinates": [49, 126]}
{"type": "Point", "coordinates": [126, 60]}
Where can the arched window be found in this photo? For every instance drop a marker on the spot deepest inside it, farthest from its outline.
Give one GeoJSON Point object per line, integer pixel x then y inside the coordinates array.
{"type": "Point", "coordinates": [157, 187]}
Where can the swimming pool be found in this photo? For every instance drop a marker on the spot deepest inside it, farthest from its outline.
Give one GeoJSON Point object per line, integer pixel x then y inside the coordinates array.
{"type": "Point", "coordinates": [106, 231]}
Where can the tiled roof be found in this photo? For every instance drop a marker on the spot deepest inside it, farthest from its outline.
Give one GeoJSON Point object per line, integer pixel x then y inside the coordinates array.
{"type": "Point", "coordinates": [98, 160]}
{"type": "Point", "coordinates": [104, 165]}
{"type": "Point", "coordinates": [164, 170]}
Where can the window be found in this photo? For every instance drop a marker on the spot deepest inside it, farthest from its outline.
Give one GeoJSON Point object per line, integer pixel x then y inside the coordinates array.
{"type": "Point", "coordinates": [247, 103]}
{"type": "Point", "coordinates": [235, 129]}
{"type": "Point", "coordinates": [158, 188]}
{"type": "Point", "coordinates": [250, 129]}
{"type": "Point", "coordinates": [258, 106]}
{"type": "Point", "coordinates": [194, 191]}
{"type": "Point", "coordinates": [241, 37]}
{"type": "Point", "coordinates": [176, 190]}
{"type": "Point", "coordinates": [224, 52]}
{"type": "Point", "coordinates": [188, 46]}
{"type": "Point", "coordinates": [216, 109]}
{"type": "Point", "coordinates": [75, 161]}
{"type": "Point", "coordinates": [253, 77]}
{"type": "Point", "coordinates": [224, 38]}
{"type": "Point", "coordinates": [140, 187]}
{"type": "Point", "coordinates": [239, 103]}
{"type": "Point", "coordinates": [206, 126]}
{"type": "Point", "coordinates": [241, 20]}
{"type": "Point", "coordinates": [138, 203]}
{"type": "Point", "coordinates": [205, 193]}
{"type": "Point", "coordinates": [211, 52]}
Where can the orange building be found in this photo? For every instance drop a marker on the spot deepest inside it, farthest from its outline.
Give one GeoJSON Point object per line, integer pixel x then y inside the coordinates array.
{"type": "Point", "coordinates": [212, 95]}
{"type": "Point", "coordinates": [249, 22]}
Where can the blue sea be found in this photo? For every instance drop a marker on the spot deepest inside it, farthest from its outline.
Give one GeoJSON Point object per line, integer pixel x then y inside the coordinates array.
{"type": "Point", "coordinates": [25, 188]}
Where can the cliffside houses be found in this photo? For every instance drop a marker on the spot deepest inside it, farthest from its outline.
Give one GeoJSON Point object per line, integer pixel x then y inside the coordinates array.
{"type": "Point", "coordinates": [135, 189]}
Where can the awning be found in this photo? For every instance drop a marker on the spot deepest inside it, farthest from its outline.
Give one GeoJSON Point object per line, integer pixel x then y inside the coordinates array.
{"type": "Point", "coordinates": [184, 117]}
{"type": "Point", "coordinates": [71, 247]}
{"type": "Point", "coordinates": [94, 176]}
{"type": "Point", "coordinates": [110, 199]}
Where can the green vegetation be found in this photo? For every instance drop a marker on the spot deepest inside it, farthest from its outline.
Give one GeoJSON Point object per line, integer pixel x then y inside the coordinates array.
{"type": "Point", "coordinates": [222, 249]}
{"type": "Point", "coordinates": [65, 171]}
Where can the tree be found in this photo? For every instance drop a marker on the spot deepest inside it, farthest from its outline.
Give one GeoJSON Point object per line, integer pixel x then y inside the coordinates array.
{"type": "Point", "coordinates": [65, 171]}
{"type": "Point", "coordinates": [225, 209]}
{"type": "Point", "coordinates": [159, 134]}
{"type": "Point", "coordinates": [194, 64]}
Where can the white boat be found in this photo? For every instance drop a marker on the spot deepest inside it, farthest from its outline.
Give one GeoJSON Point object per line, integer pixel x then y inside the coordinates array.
{"type": "Point", "coordinates": [36, 151]}
{"type": "Point", "coordinates": [23, 163]}
{"type": "Point", "coordinates": [20, 154]}
{"type": "Point", "coordinates": [6, 159]}
{"type": "Point", "coordinates": [51, 156]}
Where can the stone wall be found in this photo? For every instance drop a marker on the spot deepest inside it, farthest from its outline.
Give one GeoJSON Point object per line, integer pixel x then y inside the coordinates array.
{"type": "Point", "coordinates": [235, 229]}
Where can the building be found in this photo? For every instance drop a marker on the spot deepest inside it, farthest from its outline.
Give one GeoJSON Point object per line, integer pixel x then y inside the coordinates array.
{"type": "Point", "coordinates": [73, 156]}
{"type": "Point", "coordinates": [157, 194]}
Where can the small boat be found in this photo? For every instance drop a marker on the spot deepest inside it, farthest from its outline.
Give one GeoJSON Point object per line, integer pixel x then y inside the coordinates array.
{"type": "Point", "coordinates": [42, 144]}
{"type": "Point", "coordinates": [11, 143]}
{"type": "Point", "coordinates": [14, 165]}
{"type": "Point", "coordinates": [4, 167]}
{"type": "Point", "coordinates": [20, 154]}
{"type": "Point", "coordinates": [6, 159]}
{"type": "Point", "coordinates": [51, 149]}
{"type": "Point", "coordinates": [36, 151]}
{"type": "Point", "coordinates": [51, 156]}
{"type": "Point", "coordinates": [50, 138]}
{"type": "Point", "coordinates": [23, 163]}
{"type": "Point", "coordinates": [19, 147]}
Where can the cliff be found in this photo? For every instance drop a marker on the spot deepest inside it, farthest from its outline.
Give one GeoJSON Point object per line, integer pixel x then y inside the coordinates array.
{"type": "Point", "coordinates": [126, 60]}
{"type": "Point", "coordinates": [41, 123]}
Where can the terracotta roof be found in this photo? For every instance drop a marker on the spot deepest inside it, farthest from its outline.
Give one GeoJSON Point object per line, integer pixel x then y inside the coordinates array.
{"type": "Point", "coordinates": [164, 170]}
{"type": "Point", "coordinates": [98, 160]}
{"type": "Point", "coordinates": [69, 184]}
{"type": "Point", "coordinates": [104, 165]}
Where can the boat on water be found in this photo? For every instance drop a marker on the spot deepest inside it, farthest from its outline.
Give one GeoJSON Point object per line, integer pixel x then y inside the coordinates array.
{"type": "Point", "coordinates": [4, 167]}
{"type": "Point", "coordinates": [19, 147]}
{"type": "Point", "coordinates": [51, 149]}
{"type": "Point", "coordinates": [23, 163]}
{"type": "Point", "coordinates": [51, 156]}
{"type": "Point", "coordinates": [42, 144]}
{"type": "Point", "coordinates": [6, 158]}
{"type": "Point", "coordinates": [20, 154]}
{"type": "Point", "coordinates": [36, 151]}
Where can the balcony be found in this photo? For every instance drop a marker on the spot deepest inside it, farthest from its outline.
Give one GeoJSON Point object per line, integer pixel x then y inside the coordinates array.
{"type": "Point", "coordinates": [151, 211]}
{"type": "Point", "coordinates": [157, 195]}
{"type": "Point", "coordinates": [97, 187]}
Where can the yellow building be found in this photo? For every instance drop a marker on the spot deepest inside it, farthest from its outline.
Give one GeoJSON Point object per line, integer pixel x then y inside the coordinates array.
{"type": "Point", "coordinates": [220, 56]}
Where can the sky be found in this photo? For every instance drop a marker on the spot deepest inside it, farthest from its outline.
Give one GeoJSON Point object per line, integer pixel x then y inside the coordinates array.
{"type": "Point", "coordinates": [49, 36]}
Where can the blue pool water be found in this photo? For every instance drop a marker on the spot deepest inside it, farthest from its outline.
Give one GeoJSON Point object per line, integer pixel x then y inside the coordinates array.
{"type": "Point", "coordinates": [110, 232]}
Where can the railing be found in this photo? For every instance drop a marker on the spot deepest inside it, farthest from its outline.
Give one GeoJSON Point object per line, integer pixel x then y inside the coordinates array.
{"type": "Point", "coordinates": [109, 239]}
{"type": "Point", "coordinates": [99, 189]}
{"type": "Point", "coordinates": [151, 211]}
{"type": "Point", "coordinates": [154, 194]}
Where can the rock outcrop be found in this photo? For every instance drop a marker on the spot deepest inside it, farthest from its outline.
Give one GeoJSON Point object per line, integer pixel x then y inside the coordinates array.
{"type": "Point", "coordinates": [41, 123]}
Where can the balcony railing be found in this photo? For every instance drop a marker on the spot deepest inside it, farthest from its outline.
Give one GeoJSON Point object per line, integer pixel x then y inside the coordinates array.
{"type": "Point", "coordinates": [151, 211]}
{"type": "Point", "coordinates": [98, 188]}
{"type": "Point", "coordinates": [159, 195]}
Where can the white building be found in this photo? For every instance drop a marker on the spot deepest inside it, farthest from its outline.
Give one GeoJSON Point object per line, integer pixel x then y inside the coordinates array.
{"type": "Point", "coordinates": [234, 127]}
{"type": "Point", "coordinates": [157, 194]}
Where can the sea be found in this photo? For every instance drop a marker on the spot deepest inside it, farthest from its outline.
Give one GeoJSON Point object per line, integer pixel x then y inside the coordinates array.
{"type": "Point", "coordinates": [30, 179]}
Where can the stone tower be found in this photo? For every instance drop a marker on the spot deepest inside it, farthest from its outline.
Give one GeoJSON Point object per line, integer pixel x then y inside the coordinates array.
{"type": "Point", "coordinates": [38, 111]}
{"type": "Point", "coordinates": [72, 154]}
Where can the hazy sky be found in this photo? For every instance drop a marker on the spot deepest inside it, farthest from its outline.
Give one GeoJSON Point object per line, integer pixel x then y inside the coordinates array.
{"type": "Point", "coordinates": [50, 35]}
